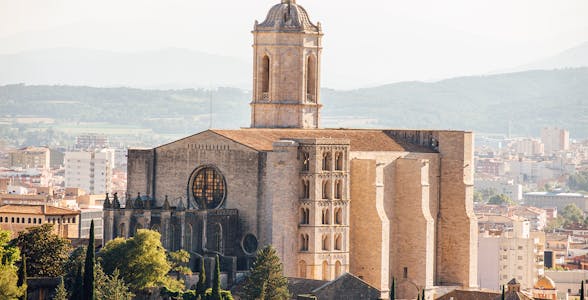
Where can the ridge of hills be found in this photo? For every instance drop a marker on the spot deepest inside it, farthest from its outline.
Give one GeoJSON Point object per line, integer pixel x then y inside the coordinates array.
{"type": "Point", "coordinates": [528, 101]}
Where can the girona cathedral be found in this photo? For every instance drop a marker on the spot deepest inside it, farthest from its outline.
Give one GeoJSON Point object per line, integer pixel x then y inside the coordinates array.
{"type": "Point", "coordinates": [376, 203]}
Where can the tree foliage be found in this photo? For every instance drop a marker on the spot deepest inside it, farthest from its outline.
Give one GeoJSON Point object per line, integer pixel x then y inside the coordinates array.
{"type": "Point", "coordinates": [88, 285]}
{"type": "Point", "coordinates": [266, 278]}
{"type": "Point", "coordinates": [579, 181]}
{"type": "Point", "coordinates": [500, 199]}
{"type": "Point", "coordinates": [572, 214]}
{"type": "Point", "coordinates": [142, 260]}
{"type": "Point", "coordinates": [60, 291]}
{"type": "Point", "coordinates": [111, 287]}
{"type": "Point", "coordinates": [46, 252]}
{"type": "Point", "coordinates": [179, 262]}
{"type": "Point", "coordinates": [9, 279]}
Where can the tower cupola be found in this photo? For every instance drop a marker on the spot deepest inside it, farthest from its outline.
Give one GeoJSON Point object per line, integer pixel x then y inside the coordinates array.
{"type": "Point", "coordinates": [287, 50]}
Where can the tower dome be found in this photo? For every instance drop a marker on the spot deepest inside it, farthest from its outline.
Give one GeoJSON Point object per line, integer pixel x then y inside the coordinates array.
{"type": "Point", "coordinates": [544, 283]}
{"type": "Point", "coordinates": [287, 16]}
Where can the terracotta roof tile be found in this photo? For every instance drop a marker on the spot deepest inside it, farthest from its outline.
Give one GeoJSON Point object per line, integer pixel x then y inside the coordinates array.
{"type": "Point", "coordinates": [360, 139]}
{"type": "Point", "coordinates": [37, 210]}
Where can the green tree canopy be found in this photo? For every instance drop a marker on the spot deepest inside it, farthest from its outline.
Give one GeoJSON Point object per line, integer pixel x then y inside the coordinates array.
{"type": "Point", "coordinates": [111, 287]}
{"type": "Point", "coordinates": [142, 260]}
{"type": "Point", "coordinates": [46, 252]}
{"type": "Point", "coordinates": [500, 199]}
{"type": "Point", "coordinates": [572, 214]}
{"type": "Point", "coordinates": [9, 288]}
{"type": "Point", "coordinates": [266, 280]}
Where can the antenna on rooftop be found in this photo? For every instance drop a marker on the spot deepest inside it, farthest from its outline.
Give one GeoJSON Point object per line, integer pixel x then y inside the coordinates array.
{"type": "Point", "coordinates": [210, 100]}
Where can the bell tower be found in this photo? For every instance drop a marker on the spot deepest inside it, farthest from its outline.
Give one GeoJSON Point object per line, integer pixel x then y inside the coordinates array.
{"type": "Point", "coordinates": [286, 69]}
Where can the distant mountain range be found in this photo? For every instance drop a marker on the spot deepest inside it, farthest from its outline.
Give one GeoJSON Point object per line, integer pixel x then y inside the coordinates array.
{"type": "Point", "coordinates": [527, 100]}
{"type": "Point", "coordinates": [570, 58]}
{"type": "Point", "coordinates": [171, 68]}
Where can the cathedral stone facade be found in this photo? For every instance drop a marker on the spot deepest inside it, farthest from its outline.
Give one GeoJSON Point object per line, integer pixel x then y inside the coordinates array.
{"type": "Point", "coordinates": [379, 204]}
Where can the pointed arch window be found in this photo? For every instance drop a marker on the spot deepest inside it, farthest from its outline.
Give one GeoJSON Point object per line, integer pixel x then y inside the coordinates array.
{"type": "Point", "coordinates": [337, 268]}
{"type": "Point", "coordinates": [325, 216]}
{"type": "Point", "coordinates": [338, 189]}
{"type": "Point", "coordinates": [311, 78]}
{"type": "Point", "coordinates": [325, 270]}
{"type": "Point", "coordinates": [302, 269]}
{"type": "Point", "coordinates": [325, 242]}
{"type": "Point", "coordinates": [305, 189]}
{"type": "Point", "coordinates": [325, 192]}
{"type": "Point", "coordinates": [327, 161]}
{"type": "Point", "coordinates": [265, 77]}
{"type": "Point", "coordinates": [338, 242]}
{"type": "Point", "coordinates": [304, 238]}
{"type": "Point", "coordinates": [304, 216]}
{"type": "Point", "coordinates": [338, 216]}
{"type": "Point", "coordinates": [339, 161]}
{"type": "Point", "coordinates": [305, 161]}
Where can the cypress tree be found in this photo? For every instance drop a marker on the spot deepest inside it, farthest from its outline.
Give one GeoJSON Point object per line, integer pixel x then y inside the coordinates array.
{"type": "Point", "coordinates": [502, 297]}
{"type": "Point", "coordinates": [60, 291]}
{"type": "Point", "coordinates": [78, 284]}
{"type": "Point", "coordinates": [393, 289]}
{"type": "Point", "coordinates": [22, 277]}
{"type": "Point", "coordinates": [216, 281]}
{"type": "Point", "coordinates": [201, 285]}
{"type": "Point", "coordinates": [88, 290]}
{"type": "Point", "coordinates": [582, 290]}
{"type": "Point", "coordinates": [423, 297]}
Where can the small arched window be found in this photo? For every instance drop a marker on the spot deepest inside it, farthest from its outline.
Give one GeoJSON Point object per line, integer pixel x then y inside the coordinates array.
{"type": "Point", "coordinates": [305, 189]}
{"type": "Point", "coordinates": [304, 242]}
{"type": "Point", "coordinates": [325, 189]}
{"type": "Point", "coordinates": [325, 270]}
{"type": "Point", "coordinates": [337, 268]}
{"type": "Point", "coordinates": [327, 161]}
{"type": "Point", "coordinates": [305, 161]}
{"type": "Point", "coordinates": [122, 230]}
{"type": "Point", "coordinates": [338, 189]}
{"type": "Point", "coordinates": [325, 216]}
{"type": "Point", "coordinates": [339, 161]}
{"type": "Point", "coordinates": [338, 216]}
{"type": "Point", "coordinates": [302, 269]}
{"type": "Point", "coordinates": [338, 242]}
{"type": "Point", "coordinates": [325, 242]}
{"type": "Point", "coordinates": [304, 216]}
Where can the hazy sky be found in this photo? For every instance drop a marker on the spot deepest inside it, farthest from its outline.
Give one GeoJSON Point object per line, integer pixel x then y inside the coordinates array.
{"type": "Point", "coordinates": [366, 42]}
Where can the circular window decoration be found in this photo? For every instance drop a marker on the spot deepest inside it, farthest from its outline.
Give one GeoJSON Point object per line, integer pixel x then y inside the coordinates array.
{"type": "Point", "coordinates": [249, 244]}
{"type": "Point", "coordinates": [209, 188]}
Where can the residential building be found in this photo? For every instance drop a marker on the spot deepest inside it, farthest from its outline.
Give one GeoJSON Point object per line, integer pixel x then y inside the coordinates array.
{"type": "Point", "coordinates": [556, 199]}
{"type": "Point", "coordinates": [510, 254]}
{"type": "Point", "coordinates": [16, 218]}
{"type": "Point", "coordinates": [30, 158]}
{"type": "Point", "coordinates": [90, 170]}
{"type": "Point", "coordinates": [555, 139]}
{"type": "Point", "coordinates": [507, 187]}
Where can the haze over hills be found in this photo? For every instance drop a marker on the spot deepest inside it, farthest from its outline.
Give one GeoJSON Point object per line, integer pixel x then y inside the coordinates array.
{"type": "Point", "coordinates": [528, 100]}
{"type": "Point", "coordinates": [570, 58]}
{"type": "Point", "coordinates": [166, 68]}
{"type": "Point", "coordinates": [170, 68]}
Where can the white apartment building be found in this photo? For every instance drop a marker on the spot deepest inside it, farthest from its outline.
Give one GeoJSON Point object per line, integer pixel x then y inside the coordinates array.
{"type": "Point", "coordinates": [514, 254]}
{"type": "Point", "coordinates": [528, 146]}
{"type": "Point", "coordinates": [555, 139]}
{"type": "Point", "coordinates": [91, 171]}
{"type": "Point", "coordinates": [507, 187]}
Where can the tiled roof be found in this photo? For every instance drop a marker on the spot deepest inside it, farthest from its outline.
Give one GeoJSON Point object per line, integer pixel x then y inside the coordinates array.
{"type": "Point", "coordinates": [37, 210]}
{"type": "Point", "coordinates": [360, 139]}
